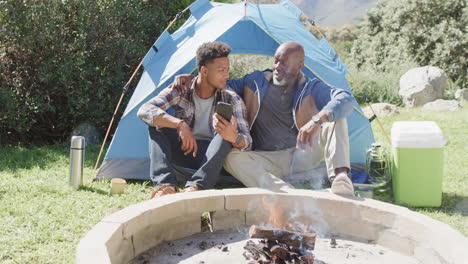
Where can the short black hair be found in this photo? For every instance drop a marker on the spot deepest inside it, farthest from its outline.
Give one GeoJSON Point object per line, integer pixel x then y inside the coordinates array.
{"type": "Point", "coordinates": [211, 50]}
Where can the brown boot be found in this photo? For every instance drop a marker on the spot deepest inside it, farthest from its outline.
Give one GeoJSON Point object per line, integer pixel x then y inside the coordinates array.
{"type": "Point", "coordinates": [162, 190]}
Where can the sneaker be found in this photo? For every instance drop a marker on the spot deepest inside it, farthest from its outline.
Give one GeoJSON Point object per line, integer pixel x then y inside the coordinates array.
{"type": "Point", "coordinates": [191, 188]}
{"type": "Point", "coordinates": [162, 190]}
{"type": "Point", "coordinates": [342, 185]}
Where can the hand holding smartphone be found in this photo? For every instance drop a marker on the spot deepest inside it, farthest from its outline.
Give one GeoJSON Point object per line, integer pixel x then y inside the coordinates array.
{"type": "Point", "coordinates": [225, 110]}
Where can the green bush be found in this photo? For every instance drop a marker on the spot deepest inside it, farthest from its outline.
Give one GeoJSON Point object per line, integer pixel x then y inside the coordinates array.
{"type": "Point", "coordinates": [65, 62]}
{"type": "Point", "coordinates": [377, 87]}
{"type": "Point", "coordinates": [242, 64]}
{"type": "Point", "coordinates": [372, 85]}
{"type": "Point", "coordinates": [426, 32]}
{"type": "Point", "coordinates": [344, 33]}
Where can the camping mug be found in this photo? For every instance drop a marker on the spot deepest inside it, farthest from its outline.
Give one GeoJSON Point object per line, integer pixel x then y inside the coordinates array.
{"type": "Point", "coordinates": [117, 186]}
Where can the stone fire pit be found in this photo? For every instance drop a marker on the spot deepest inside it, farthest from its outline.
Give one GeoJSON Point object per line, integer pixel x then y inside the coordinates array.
{"type": "Point", "coordinates": [126, 234]}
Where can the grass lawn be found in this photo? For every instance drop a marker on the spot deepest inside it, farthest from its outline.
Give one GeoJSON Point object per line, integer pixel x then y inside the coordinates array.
{"type": "Point", "coordinates": [42, 219]}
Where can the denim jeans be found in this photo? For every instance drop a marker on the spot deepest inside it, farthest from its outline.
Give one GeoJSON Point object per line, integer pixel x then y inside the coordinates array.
{"type": "Point", "coordinates": [164, 149]}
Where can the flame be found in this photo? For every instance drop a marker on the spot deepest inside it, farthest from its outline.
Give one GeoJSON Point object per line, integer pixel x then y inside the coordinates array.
{"type": "Point", "coordinates": [277, 217]}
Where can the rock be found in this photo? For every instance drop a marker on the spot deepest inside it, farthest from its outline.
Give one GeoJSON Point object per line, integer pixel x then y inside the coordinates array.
{"type": "Point", "coordinates": [88, 131]}
{"type": "Point", "coordinates": [461, 94]}
{"type": "Point", "coordinates": [422, 85]}
{"type": "Point", "coordinates": [381, 109]}
{"type": "Point", "coordinates": [443, 105]}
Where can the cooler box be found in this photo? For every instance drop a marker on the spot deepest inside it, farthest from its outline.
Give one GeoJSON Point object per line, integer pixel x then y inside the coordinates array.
{"type": "Point", "coordinates": [417, 148]}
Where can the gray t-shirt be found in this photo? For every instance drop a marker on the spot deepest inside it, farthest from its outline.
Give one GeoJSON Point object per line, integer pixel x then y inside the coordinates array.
{"type": "Point", "coordinates": [203, 111]}
{"type": "Point", "coordinates": [274, 127]}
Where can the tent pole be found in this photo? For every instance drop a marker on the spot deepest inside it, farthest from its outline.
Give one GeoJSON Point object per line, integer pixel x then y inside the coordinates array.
{"type": "Point", "coordinates": [93, 175]}
{"type": "Point", "coordinates": [359, 87]}
{"type": "Point", "coordinates": [177, 17]}
{"type": "Point", "coordinates": [245, 8]}
{"type": "Point", "coordinates": [112, 120]}
{"type": "Point", "coordinates": [372, 109]}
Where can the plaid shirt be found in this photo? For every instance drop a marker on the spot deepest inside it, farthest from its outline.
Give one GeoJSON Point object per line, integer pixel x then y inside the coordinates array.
{"type": "Point", "coordinates": [184, 108]}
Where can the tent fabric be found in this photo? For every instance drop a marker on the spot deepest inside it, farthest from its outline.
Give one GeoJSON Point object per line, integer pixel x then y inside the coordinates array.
{"type": "Point", "coordinates": [249, 29]}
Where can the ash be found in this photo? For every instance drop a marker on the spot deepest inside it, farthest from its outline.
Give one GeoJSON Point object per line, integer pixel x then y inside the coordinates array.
{"type": "Point", "coordinates": [227, 247]}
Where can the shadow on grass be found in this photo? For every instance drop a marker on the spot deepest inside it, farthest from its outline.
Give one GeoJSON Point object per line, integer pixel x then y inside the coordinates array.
{"type": "Point", "coordinates": [27, 157]}
{"type": "Point", "coordinates": [94, 190]}
{"type": "Point", "coordinates": [452, 204]}
{"type": "Point", "coordinates": [32, 156]}
{"type": "Point", "coordinates": [128, 181]}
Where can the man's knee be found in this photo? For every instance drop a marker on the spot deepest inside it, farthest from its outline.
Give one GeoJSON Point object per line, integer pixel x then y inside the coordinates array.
{"type": "Point", "coordinates": [237, 159]}
{"type": "Point", "coordinates": [334, 131]}
{"type": "Point", "coordinates": [219, 146]}
{"type": "Point", "coordinates": [224, 145]}
{"type": "Point", "coordinates": [155, 133]}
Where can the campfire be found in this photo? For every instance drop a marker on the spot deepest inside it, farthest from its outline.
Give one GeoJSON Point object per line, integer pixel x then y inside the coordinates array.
{"type": "Point", "coordinates": [347, 231]}
{"type": "Point", "coordinates": [279, 246]}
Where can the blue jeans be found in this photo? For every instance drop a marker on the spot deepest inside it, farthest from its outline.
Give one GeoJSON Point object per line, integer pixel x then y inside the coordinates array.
{"type": "Point", "coordinates": [164, 148]}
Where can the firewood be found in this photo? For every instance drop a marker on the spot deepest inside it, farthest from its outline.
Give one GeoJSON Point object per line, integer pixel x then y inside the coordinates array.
{"type": "Point", "coordinates": [256, 250]}
{"type": "Point", "coordinates": [291, 238]}
{"type": "Point", "coordinates": [309, 259]}
{"type": "Point", "coordinates": [279, 252]}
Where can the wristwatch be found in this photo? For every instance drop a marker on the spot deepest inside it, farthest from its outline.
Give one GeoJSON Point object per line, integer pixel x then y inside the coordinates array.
{"type": "Point", "coordinates": [316, 119]}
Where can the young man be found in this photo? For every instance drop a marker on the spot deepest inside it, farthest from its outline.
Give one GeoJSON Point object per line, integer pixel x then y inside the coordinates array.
{"type": "Point", "coordinates": [296, 122]}
{"type": "Point", "coordinates": [188, 138]}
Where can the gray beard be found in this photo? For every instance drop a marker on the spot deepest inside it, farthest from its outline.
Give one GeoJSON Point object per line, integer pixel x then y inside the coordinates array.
{"type": "Point", "coordinates": [283, 82]}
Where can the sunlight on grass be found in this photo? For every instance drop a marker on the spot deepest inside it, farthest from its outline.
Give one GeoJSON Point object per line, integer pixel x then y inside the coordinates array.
{"type": "Point", "coordinates": [42, 219]}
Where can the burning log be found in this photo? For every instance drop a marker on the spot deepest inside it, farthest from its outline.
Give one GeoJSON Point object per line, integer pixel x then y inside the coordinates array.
{"type": "Point", "coordinates": [275, 252]}
{"type": "Point", "coordinates": [279, 252]}
{"type": "Point", "coordinates": [256, 251]}
{"type": "Point", "coordinates": [293, 239]}
{"type": "Point", "coordinates": [308, 259]}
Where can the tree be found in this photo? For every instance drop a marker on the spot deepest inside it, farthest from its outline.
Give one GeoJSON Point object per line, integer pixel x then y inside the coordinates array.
{"type": "Point", "coordinates": [63, 62]}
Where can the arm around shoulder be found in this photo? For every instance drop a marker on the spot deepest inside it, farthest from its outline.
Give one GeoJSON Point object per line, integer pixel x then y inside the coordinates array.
{"type": "Point", "coordinates": [238, 85]}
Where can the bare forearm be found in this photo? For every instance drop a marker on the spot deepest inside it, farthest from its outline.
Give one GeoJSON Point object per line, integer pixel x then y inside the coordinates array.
{"type": "Point", "coordinates": [166, 120]}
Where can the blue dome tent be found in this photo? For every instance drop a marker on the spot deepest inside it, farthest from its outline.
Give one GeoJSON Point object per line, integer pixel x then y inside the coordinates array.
{"type": "Point", "coordinates": [249, 29]}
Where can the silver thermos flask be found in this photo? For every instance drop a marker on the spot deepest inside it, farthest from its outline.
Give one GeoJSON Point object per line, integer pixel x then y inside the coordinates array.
{"type": "Point", "coordinates": [77, 151]}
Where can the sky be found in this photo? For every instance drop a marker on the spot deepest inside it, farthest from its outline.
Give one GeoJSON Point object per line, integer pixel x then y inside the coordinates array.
{"type": "Point", "coordinates": [335, 12]}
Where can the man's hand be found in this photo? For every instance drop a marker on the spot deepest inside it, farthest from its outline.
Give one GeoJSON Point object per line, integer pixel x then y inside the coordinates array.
{"type": "Point", "coordinates": [189, 143]}
{"type": "Point", "coordinates": [227, 130]}
{"type": "Point", "coordinates": [307, 133]}
{"type": "Point", "coordinates": [182, 82]}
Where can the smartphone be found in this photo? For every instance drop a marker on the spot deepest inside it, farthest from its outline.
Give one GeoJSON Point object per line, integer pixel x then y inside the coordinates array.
{"type": "Point", "coordinates": [225, 110]}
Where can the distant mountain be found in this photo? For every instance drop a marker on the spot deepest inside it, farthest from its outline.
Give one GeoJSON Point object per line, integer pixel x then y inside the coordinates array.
{"type": "Point", "coordinates": [335, 12]}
